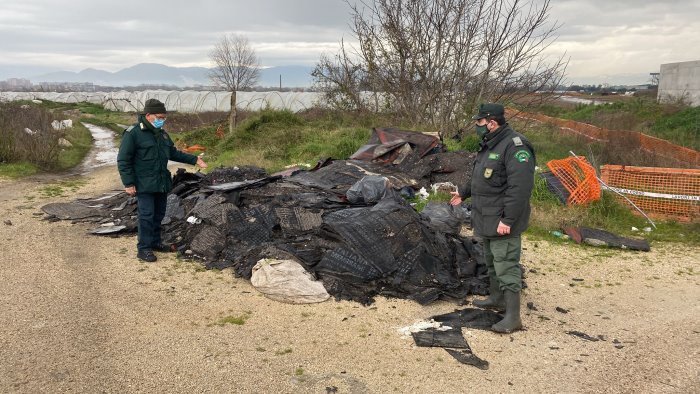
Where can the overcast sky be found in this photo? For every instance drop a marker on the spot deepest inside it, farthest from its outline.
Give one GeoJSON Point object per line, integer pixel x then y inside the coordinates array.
{"type": "Point", "coordinates": [603, 38]}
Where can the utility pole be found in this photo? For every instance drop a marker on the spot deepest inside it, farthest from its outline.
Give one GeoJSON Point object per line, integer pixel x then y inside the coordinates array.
{"type": "Point", "coordinates": [280, 82]}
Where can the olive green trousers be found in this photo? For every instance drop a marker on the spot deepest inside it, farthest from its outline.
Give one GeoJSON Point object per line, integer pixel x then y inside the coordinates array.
{"type": "Point", "coordinates": [502, 257]}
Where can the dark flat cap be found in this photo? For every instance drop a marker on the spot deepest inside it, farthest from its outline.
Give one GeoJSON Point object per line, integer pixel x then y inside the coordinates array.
{"type": "Point", "coordinates": [154, 106]}
{"type": "Point", "coordinates": [489, 109]}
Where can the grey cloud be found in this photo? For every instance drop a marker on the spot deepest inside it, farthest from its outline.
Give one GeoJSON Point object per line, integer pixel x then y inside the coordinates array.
{"type": "Point", "coordinates": [601, 36]}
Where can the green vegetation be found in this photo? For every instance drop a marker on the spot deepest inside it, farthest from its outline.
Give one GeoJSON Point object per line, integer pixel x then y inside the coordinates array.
{"type": "Point", "coordinates": [81, 139]}
{"type": "Point", "coordinates": [673, 122]}
{"type": "Point", "coordinates": [60, 188]}
{"type": "Point", "coordinates": [432, 197]}
{"type": "Point", "coordinates": [23, 154]}
{"type": "Point", "coordinates": [17, 170]}
{"type": "Point", "coordinates": [236, 320]}
{"type": "Point", "coordinates": [275, 139]}
{"type": "Point", "coordinates": [683, 127]}
{"type": "Point", "coordinates": [607, 213]}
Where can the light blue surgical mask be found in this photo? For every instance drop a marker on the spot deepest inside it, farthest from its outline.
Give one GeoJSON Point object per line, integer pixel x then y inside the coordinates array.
{"type": "Point", "coordinates": [158, 123]}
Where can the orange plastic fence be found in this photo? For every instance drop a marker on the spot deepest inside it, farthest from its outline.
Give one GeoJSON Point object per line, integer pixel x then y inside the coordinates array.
{"type": "Point", "coordinates": [195, 148]}
{"type": "Point", "coordinates": [651, 144]}
{"type": "Point", "coordinates": [665, 193]}
{"type": "Point", "coordinates": [578, 177]}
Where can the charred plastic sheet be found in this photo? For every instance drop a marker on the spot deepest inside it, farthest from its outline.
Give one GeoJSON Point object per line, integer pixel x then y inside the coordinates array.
{"type": "Point", "coordinates": [234, 217]}
{"type": "Point", "coordinates": [449, 335]}
{"type": "Point", "coordinates": [555, 186]}
{"type": "Point", "coordinates": [391, 145]}
{"type": "Point", "coordinates": [597, 237]}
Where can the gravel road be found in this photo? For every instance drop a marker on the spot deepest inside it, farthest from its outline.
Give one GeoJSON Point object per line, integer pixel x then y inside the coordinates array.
{"type": "Point", "coordinates": [79, 313]}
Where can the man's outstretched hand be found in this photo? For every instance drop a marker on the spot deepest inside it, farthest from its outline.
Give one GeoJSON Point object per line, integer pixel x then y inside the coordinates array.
{"type": "Point", "coordinates": [201, 163]}
{"type": "Point", "coordinates": [456, 199]}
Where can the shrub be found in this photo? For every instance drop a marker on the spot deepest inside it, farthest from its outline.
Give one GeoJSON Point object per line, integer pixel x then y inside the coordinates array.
{"type": "Point", "coordinates": [26, 135]}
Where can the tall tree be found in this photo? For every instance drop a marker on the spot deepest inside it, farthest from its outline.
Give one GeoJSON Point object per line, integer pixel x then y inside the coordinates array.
{"type": "Point", "coordinates": [433, 61]}
{"type": "Point", "coordinates": [237, 67]}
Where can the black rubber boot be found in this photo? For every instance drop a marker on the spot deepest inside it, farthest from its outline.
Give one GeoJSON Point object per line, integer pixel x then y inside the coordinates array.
{"type": "Point", "coordinates": [495, 300]}
{"type": "Point", "coordinates": [511, 321]}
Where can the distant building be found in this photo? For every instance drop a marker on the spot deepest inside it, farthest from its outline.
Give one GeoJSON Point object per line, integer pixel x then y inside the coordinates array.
{"type": "Point", "coordinates": [20, 84]}
{"type": "Point", "coordinates": [680, 81]}
{"type": "Point", "coordinates": [65, 87]}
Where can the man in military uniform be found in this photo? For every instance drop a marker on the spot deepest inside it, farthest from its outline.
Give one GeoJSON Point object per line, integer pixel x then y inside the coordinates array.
{"type": "Point", "coordinates": [143, 166]}
{"type": "Point", "coordinates": [500, 189]}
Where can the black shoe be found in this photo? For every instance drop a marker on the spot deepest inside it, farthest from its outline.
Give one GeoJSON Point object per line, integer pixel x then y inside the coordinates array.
{"type": "Point", "coordinates": [147, 256]}
{"type": "Point", "coordinates": [165, 248]}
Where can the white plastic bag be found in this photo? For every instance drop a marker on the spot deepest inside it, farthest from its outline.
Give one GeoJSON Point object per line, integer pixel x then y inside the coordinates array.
{"type": "Point", "coordinates": [287, 281]}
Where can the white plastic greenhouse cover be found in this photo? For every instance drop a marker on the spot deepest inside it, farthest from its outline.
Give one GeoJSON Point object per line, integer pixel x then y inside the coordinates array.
{"type": "Point", "coordinates": [181, 101]}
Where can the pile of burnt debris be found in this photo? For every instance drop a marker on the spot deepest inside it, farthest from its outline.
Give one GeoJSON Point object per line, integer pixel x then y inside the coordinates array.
{"type": "Point", "coordinates": [347, 222]}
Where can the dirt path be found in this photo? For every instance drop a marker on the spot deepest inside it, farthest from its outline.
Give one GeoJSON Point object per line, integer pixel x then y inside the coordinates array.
{"type": "Point", "coordinates": [80, 313]}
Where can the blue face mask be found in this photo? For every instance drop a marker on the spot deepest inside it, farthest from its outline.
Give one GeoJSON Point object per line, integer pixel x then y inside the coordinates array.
{"type": "Point", "coordinates": [158, 123]}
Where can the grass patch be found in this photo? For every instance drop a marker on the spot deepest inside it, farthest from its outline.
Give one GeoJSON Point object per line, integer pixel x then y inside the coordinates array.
{"type": "Point", "coordinates": [673, 122]}
{"type": "Point", "coordinates": [235, 320]}
{"type": "Point", "coordinates": [17, 170]}
{"type": "Point", "coordinates": [81, 139]}
{"type": "Point", "coordinates": [274, 139]}
{"type": "Point", "coordinates": [432, 197]}
{"type": "Point", "coordinates": [683, 128]}
{"type": "Point", "coordinates": [607, 213]}
{"type": "Point", "coordinates": [283, 351]}
{"type": "Point", "coordinates": [59, 189]}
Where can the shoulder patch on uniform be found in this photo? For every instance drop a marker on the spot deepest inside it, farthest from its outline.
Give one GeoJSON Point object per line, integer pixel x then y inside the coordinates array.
{"type": "Point", "coordinates": [129, 128]}
{"type": "Point", "coordinates": [522, 156]}
{"type": "Point", "coordinates": [494, 156]}
{"type": "Point", "coordinates": [142, 126]}
{"type": "Point", "coordinates": [517, 141]}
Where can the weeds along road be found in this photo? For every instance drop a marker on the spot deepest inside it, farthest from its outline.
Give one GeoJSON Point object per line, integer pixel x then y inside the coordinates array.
{"type": "Point", "coordinates": [79, 313]}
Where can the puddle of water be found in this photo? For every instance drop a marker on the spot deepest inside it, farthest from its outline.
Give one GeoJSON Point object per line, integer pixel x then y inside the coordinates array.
{"type": "Point", "coordinates": [103, 152]}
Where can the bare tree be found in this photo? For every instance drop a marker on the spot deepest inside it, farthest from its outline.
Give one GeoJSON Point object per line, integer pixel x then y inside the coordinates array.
{"type": "Point", "coordinates": [341, 80]}
{"type": "Point", "coordinates": [237, 67]}
{"type": "Point", "coordinates": [433, 61]}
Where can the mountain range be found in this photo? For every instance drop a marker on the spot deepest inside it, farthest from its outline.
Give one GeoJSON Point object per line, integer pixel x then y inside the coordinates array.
{"type": "Point", "coordinates": [159, 74]}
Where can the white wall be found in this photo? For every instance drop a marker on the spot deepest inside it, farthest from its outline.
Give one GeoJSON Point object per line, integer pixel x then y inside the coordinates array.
{"type": "Point", "coordinates": [680, 80]}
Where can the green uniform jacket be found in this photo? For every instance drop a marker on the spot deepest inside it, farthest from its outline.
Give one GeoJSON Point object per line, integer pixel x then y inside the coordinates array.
{"type": "Point", "coordinates": [502, 182]}
{"type": "Point", "coordinates": [143, 158]}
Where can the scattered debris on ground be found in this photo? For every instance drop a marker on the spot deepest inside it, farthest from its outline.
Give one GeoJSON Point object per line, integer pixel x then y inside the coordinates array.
{"type": "Point", "coordinates": [585, 336]}
{"type": "Point", "coordinates": [445, 331]}
{"type": "Point", "coordinates": [597, 237]}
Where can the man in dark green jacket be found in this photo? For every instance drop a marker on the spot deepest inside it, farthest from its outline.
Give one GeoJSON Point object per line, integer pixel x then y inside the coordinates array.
{"type": "Point", "coordinates": [500, 189]}
{"type": "Point", "coordinates": [143, 166]}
